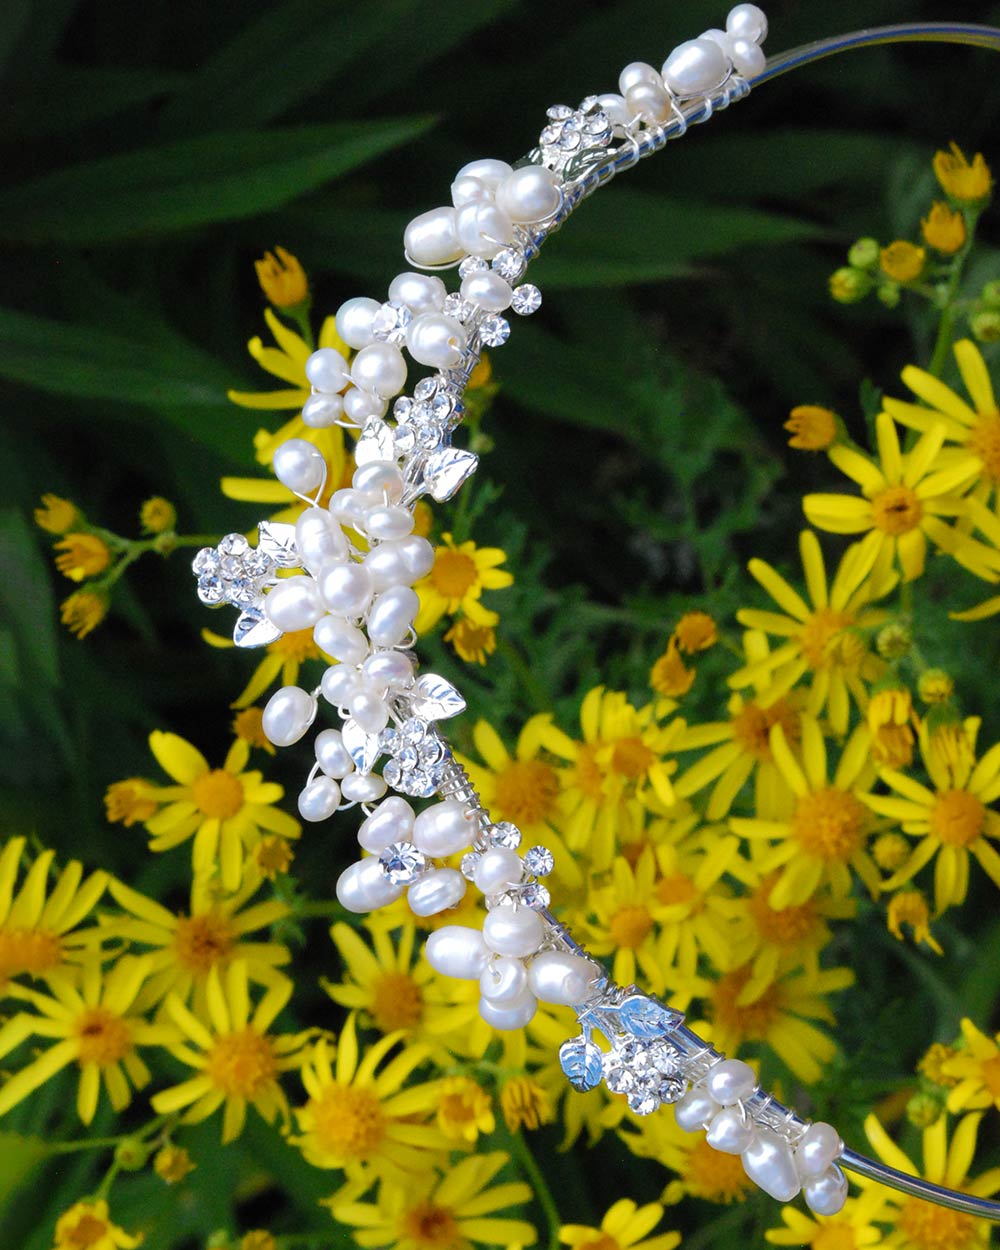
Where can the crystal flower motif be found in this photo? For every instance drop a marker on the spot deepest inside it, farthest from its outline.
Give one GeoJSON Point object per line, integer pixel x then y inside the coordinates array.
{"type": "Point", "coordinates": [416, 760]}
{"type": "Point", "coordinates": [573, 139]}
{"type": "Point", "coordinates": [236, 573]}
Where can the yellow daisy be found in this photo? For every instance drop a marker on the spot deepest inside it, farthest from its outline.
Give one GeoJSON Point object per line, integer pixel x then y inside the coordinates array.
{"type": "Point", "coordinates": [268, 491]}
{"type": "Point", "coordinates": [623, 921]}
{"type": "Point", "coordinates": [695, 913]}
{"type": "Point", "coordinates": [455, 584]}
{"type": "Point", "coordinates": [624, 1227]}
{"type": "Point", "coordinates": [973, 1072]}
{"type": "Point", "coordinates": [702, 1171]}
{"type": "Point", "coordinates": [853, 1228]}
{"type": "Point", "coordinates": [287, 363]}
{"type": "Point", "coordinates": [87, 1226]}
{"type": "Point", "coordinates": [282, 658]}
{"type": "Point", "coordinates": [464, 1109]}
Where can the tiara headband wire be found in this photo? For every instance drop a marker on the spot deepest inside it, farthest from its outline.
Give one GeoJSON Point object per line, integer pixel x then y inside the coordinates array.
{"type": "Point", "coordinates": [524, 952]}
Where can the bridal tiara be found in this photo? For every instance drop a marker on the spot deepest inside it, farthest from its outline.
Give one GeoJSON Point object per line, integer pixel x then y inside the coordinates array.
{"type": "Point", "coordinates": [360, 604]}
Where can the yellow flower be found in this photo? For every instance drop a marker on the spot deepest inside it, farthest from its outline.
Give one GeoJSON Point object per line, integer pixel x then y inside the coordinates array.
{"type": "Point", "coordinates": [157, 515]}
{"type": "Point", "coordinates": [522, 788]}
{"type": "Point", "coordinates": [95, 1027]}
{"type": "Point", "coordinates": [56, 515]}
{"type": "Point", "coordinates": [258, 1239]}
{"type": "Point", "coordinates": [943, 229]}
{"type": "Point", "coordinates": [237, 1061]}
{"type": "Point", "coordinates": [669, 676]}
{"type": "Point", "coordinates": [910, 907]}
{"type": "Point", "coordinates": [460, 575]}
{"type": "Point", "coordinates": [429, 1212]}
{"type": "Point", "coordinates": [902, 261]}
{"type": "Point", "coordinates": [472, 642]}
{"type": "Point", "coordinates": [958, 178]}
{"type": "Point", "coordinates": [172, 1163]}
{"type": "Point", "coordinates": [973, 1072]}
{"type": "Point", "coordinates": [83, 611]}
{"type": "Point", "coordinates": [696, 631]}
{"type": "Point", "coordinates": [890, 722]}
{"type": "Point", "coordinates": [283, 660]}
{"type": "Point", "coordinates": [248, 724]}
{"type": "Point", "coordinates": [524, 1103]}
{"type": "Point", "coordinates": [624, 1227]}
{"type": "Point", "coordinates": [853, 1228]}
{"type": "Point", "coordinates": [330, 444]}
{"type": "Point", "coordinates": [464, 1109]}
{"type": "Point", "coordinates": [273, 856]}
{"type": "Point", "coordinates": [623, 920]}
{"type": "Point", "coordinates": [890, 851]}
{"type": "Point", "coordinates": [696, 914]}
{"type": "Point", "coordinates": [287, 362]}
{"type": "Point", "coordinates": [812, 427]}
{"type": "Point", "coordinates": [82, 555]}
{"type": "Point", "coordinates": [87, 1226]}
{"type": "Point", "coordinates": [935, 686]}
{"type": "Point", "coordinates": [129, 802]}
{"type": "Point", "coordinates": [932, 1064]}
{"type": "Point", "coordinates": [702, 1172]}
{"type": "Point", "coordinates": [223, 809]}
{"type": "Point", "coordinates": [903, 497]}
{"type": "Point", "coordinates": [282, 278]}
{"type": "Point", "coordinates": [36, 933]}
{"type": "Point", "coordinates": [951, 820]}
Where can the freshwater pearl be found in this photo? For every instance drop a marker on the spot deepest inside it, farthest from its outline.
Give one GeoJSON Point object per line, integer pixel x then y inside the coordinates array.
{"type": "Point", "coordinates": [319, 412]}
{"type": "Point", "coordinates": [434, 339]}
{"type": "Point", "coordinates": [497, 869]}
{"type": "Point", "coordinates": [349, 507]}
{"type": "Point", "coordinates": [442, 829]}
{"type": "Point", "coordinates": [328, 370]}
{"type": "Point", "coordinates": [720, 37]}
{"type": "Point", "coordinates": [379, 481]}
{"type": "Point", "coordinates": [613, 105]}
{"type": "Point", "coordinates": [648, 100]}
{"type": "Point", "coordinates": [695, 1110]}
{"type": "Point", "coordinates": [826, 1194]}
{"type": "Point", "coordinates": [369, 709]}
{"type": "Point", "coordinates": [293, 604]}
{"type": "Point", "coordinates": [467, 190]}
{"type": "Point", "coordinates": [748, 58]}
{"type": "Point", "coordinates": [731, 1081]}
{"type": "Point", "coordinates": [559, 977]}
{"type": "Point", "coordinates": [392, 613]}
{"type": "Point", "coordinates": [345, 588]}
{"type": "Point", "coordinates": [420, 292]}
{"type": "Point", "coordinates": [487, 169]}
{"type": "Point", "coordinates": [418, 555]}
{"type": "Point", "coordinates": [432, 239]}
{"type": "Point", "coordinates": [457, 951]}
{"type": "Point", "coordinates": [319, 800]}
{"type": "Point", "coordinates": [379, 368]}
{"type": "Point", "coordinates": [345, 642]}
{"type": "Point", "coordinates": [819, 1145]}
{"type": "Point", "coordinates": [530, 194]}
{"type": "Point", "coordinates": [513, 931]}
{"type": "Point", "coordinates": [747, 21]}
{"type": "Point", "coordinates": [319, 538]}
{"type": "Point", "coordinates": [695, 67]}
{"type": "Point", "coordinates": [503, 980]}
{"type": "Point", "coordinates": [483, 228]}
{"type": "Point", "coordinates": [389, 522]}
{"type": "Point", "coordinates": [730, 1132]}
{"type": "Point", "coordinates": [363, 788]}
{"type": "Point", "coordinates": [512, 1015]}
{"type": "Point", "coordinates": [436, 891]}
{"type": "Point", "coordinates": [391, 821]}
{"type": "Point", "coordinates": [332, 756]}
{"type": "Point", "coordinates": [339, 684]}
{"type": "Point", "coordinates": [360, 405]}
{"type": "Point", "coordinates": [364, 887]}
{"type": "Point", "coordinates": [768, 1162]}
{"type": "Point", "coordinates": [288, 714]}
{"type": "Point", "coordinates": [387, 670]}
{"type": "Point", "coordinates": [487, 289]}
{"type": "Point", "coordinates": [299, 466]}
{"type": "Point", "coordinates": [354, 321]}
{"type": "Point", "coordinates": [636, 72]}
{"type": "Point", "coordinates": [386, 566]}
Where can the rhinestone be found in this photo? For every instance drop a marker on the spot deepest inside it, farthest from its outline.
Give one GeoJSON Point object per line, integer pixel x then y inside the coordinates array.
{"type": "Point", "coordinates": [388, 740]}
{"type": "Point", "coordinates": [471, 264]}
{"type": "Point", "coordinates": [663, 1058]}
{"type": "Point", "coordinates": [509, 264]}
{"type": "Point", "coordinates": [671, 1089]}
{"type": "Point", "coordinates": [422, 784]}
{"type": "Point", "coordinates": [206, 561]}
{"type": "Point", "coordinates": [494, 331]}
{"type": "Point", "coordinates": [587, 104]}
{"type": "Point", "coordinates": [526, 299]}
{"type": "Point", "coordinates": [401, 408]}
{"type": "Point", "coordinates": [230, 567]}
{"type": "Point", "coordinates": [468, 865]}
{"type": "Point", "coordinates": [258, 563]}
{"type": "Point", "coordinates": [431, 751]}
{"type": "Point", "coordinates": [643, 1102]}
{"type": "Point", "coordinates": [243, 590]}
{"type": "Point", "coordinates": [506, 834]}
{"type": "Point", "coordinates": [569, 139]}
{"type": "Point", "coordinates": [210, 590]}
{"type": "Point", "coordinates": [425, 388]}
{"type": "Point", "coordinates": [407, 759]}
{"type": "Point", "coordinates": [618, 1076]}
{"type": "Point", "coordinates": [455, 306]}
{"type": "Point", "coordinates": [559, 112]}
{"type": "Point", "coordinates": [535, 895]}
{"type": "Point", "coordinates": [403, 440]}
{"type": "Point", "coordinates": [413, 730]}
{"type": "Point", "coordinates": [549, 136]}
{"type": "Point", "coordinates": [441, 406]}
{"type": "Point", "coordinates": [390, 322]}
{"type": "Point", "coordinates": [392, 773]}
{"type": "Point", "coordinates": [234, 545]}
{"type": "Point", "coordinates": [402, 862]}
{"type": "Point", "coordinates": [421, 413]}
{"type": "Point", "coordinates": [428, 438]}
{"type": "Point", "coordinates": [539, 861]}
{"type": "Point", "coordinates": [597, 124]}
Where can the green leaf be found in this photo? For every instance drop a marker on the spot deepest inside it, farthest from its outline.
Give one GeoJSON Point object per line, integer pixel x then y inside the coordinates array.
{"type": "Point", "coordinates": [218, 177]}
{"type": "Point", "coordinates": [18, 1156]}
{"type": "Point", "coordinates": [69, 98]}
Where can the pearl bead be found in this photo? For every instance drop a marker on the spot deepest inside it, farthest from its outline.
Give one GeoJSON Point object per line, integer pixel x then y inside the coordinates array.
{"type": "Point", "coordinates": [469, 190]}
{"type": "Point", "coordinates": [483, 228]}
{"type": "Point", "coordinates": [391, 615]}
{"type": "Point", "coordinates": [389, 522]}
{"type": "Point", "coordinates": [434, 339]}
{"type": "Point", "coordinates": [420, 292]}
{"type": "Point", "coordinates": [748, 58]}
{"type": "Point", "coordinates": [635, 73]}
{"type": "Point", "coordinates": [768, 1162]}
{"type": "Point", "coordinates": [826, 1194]}
{"type": "Point", "coordinates": [369, 709]}
{"type": "Point", "coordinates": [418, 554]}
{"type": "Point", "coordinates": [319, 538]}
{"type": "Point", "coordinates": [487, 289]}
{"type": "Point", "coordinates": [530, 194]}
{"type": "Point", "coordinates": [432, 238]}
{"type": "Point", "coordinates": [319, 412]}
{"type": "Point", "coordinates": [363, 788]}
{"type": "Point", "coordinates": [747, 21]}
{"type": "Point", "coordinates": [346, 588]}
{"type": "Point", "coordinates": [288, 714]}
{"type": "Point", "coordinates": [343, 641]}
{"type": "Point", "coordinates": [649, 101]}
{"type": "Point", "coordinates": [379, 481]}
{"type": "Point", "coordinates": [487, 169]}
{"type": "Point", "coordinates": [293, 604]}
{"type": "Point", "coordinates": [339, 684]}
{"type": "Point", "coordinates": [386, 566]}
{"type": "Point", "coordinates": [387, 670]}
{"type": "Point", "coordinates": [364, 887]}
{"type": "Point", "coordinates": [319, 800]}
{"type": "Point", "coordinates": [331, 754]}
{"type": "Point", "coordinates": [328, 370]}
{"type": "Point", "coordinates": [442, 829]}
{"type": "Point", "coordinates": [503, 980]}
{"type": "Point", "coordinates": [614, 106]}
{"type": "Point", "coordinates": [391, 821]}
{"type": "Point", "coordinates": [379, 368]}
{"type": "Point", "coordinates": [497, 869]}
{"type": "Point", "coordinates": [721, 38]}
{"type": "Point", "coordinates": [512, 1015]}
{"type": "Point", "coordinates": [457, 951]}
{"type": "Point", "coordinates": [731, 1081]}
{"type": "Point", "coordinates": [299, 466]}
{"type": "Point", "coordinates": [559, 977]}
{"type": "Point", "coordinates": [354, 321]}
{"type": "Point", "coordinates": [436, 891]}
{"type": "Point", "coordinates": [349, 507]}
{"type": "Point", "coordinates": [695, 67]}
{"type": "Point", "coordinates": [695, 1110]}
{"type": "Point", "coordinates": [513, 931]}
{"type": "Point", "coordinates": [360, 405]}
{"type": "Point", "coordinates": [817, 1149]}
{"type": "Point", "coordinates": [730, 1132]}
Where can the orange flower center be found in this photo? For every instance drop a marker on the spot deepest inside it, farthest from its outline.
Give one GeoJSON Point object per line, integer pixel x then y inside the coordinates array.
{"type": "Point", "coordinates": [829, 824]}
{"type": "Point", "coordinates": [819, 632]}
{"type": "Point", "coordinates": [348, 1122]}
{"type": "Point", "coordinates": [200, 942]}
{"type": "Point", "coordinates": [787, 927]}
{"type": "Point", "coordinates": [454, 573]}
{"type": "Point", "coordinates": [526, 791]}
{"type": "Point", "coordinates": [218, 794]}
{"type": "Point", "coordinates": [750, 1021]}
{"type": "Point", "coordinates": [298, 645]}
{"type": "Point", "coordinates": [588, 773]}
{"type": "Point", "coordinates": [33, 951]}
{"type": "Point", "coordinates": [88, 1231]}
{"type": "Point", "coordinates": [984, 442]}
{"type": "Point", "coordinates": [273, 856]}
{"type": "Point", "coordinates": [677, 889]}
{"type": "Point", "coordinates": [834, 1237]}
{"type": "Point", "coordinates": [432, 1226]}
{"type": "Point", "coordinates": [957, 818]}
{"type": "Point", "coordinates": [242, 1063]}
{"type": "Point", "coordinates": [936, 1228]}
{"type": "Point", "coordinates": [630, 757]}
{"type": "Point", "coordinates": [715, 1176]}
{"type": "Point", "coordinates": [396, 1002]}
{"type": "Point", "coordinates": [897, 510]}
{"type": "Point", "coordinates": [630, 926]}
{"type": "Point", "coordinates": [991, 1074]}
{"type": "Point", "coordinates": [752, 726]}
{"type": "Point", "coordinates": [102, 1037]}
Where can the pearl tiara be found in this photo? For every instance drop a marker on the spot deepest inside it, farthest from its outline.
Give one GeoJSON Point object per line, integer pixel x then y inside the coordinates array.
{"type": "Point", "coordinates": [361, 606]}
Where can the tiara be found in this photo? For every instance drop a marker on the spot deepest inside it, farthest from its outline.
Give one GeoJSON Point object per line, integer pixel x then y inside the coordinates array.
{"type": "Point", "coordinates": [360, 603]}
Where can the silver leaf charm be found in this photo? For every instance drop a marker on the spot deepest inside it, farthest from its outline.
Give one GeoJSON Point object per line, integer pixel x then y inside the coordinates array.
{"type": "Point", "coordinates": [581, 1060]}
{"type": "Point", "coordinates": [277, 540]}
{"type": "Point", "coordinates": [253, 629]}
{"type": "Point", "coordinates": [376, 443]}
{"type": "Point", "coordinates": [434, 698]}
{"type": "Point", "coordinates": [363, 747]}
{"type": "Point", "coordinates": [446, 470]}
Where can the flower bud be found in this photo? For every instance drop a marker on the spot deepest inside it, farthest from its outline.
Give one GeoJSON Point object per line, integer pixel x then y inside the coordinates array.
{"type": "Point", "coordinates": [990, 294]}
{"type": "Point", "coordinates": [848, 285]}
{"type": "Point", "coordinates": [893, 641]}
{"type": "Point", "coordinates": [863, 254]}
{"type": "Point", "coordinates": [985, 325]}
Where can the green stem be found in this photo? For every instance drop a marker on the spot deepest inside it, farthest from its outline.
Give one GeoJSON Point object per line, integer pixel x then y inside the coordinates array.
{"type": "Point", "coordinates": [84, 1143]}
{"type": "Point", "coordinates": [524, 1157]}
{"type": "Point", "coordinates": [300, 315]}
{"type": "Point", "coordinates": [946, 326]}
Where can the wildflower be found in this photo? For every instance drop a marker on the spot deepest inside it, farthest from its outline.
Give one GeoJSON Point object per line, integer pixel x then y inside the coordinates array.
{"type": "Point", "coordinates": [87, 1226]}
{"type": "Point", "coordinates": [460, 575]}
{"type": "Point", "coordinates": [932, 1064]}
{"type": "Point", "coordinates": [812, 428]}
{"type": "Point", "coordinates": [272, 856]}
{"type": "Point", "coordinates": [472, 642]}
{"type": "Point", "coordinates": [83, 611]}
{"type": "Point", "coordinates": [668, 676]}
{"type": "Point", "coordinates": [82, 555]}
{"type": "Point", "coordinates": [382, 981]}
{"type": "Point", "coordinates": [890, 722]}
{"type": "Point", "coordinates": [248, 724]}
{"type": "Point", "coordinates": [696, 631]}
{"type": "Point", "coordinates": [282, 278]}
{"type": "Point", "coordinates": [960, 180]}
{"type": "Point", "coordinates": [849, 285]}
{"type": "Point", "coordinates": [902, 261]}
{"type": "Point", "coordinates": [702, 1172]}
{"type": "Point", "coordinates": [623, 920]}
{"type": "Point", "coordinates": [258, 1239]}
{"type": "Point", "coordinates": [524, 1103]}
{"type": "Point", "coordinates": [56, 515]}
{"type": "Point", "coordinates": [909, 907]}
{"type": "Point", "coordinates": [973, 1072]}
{"type": "Point", "coordinates": [172, 1163]}
{"type": "Point", "coordinates": [985, 325]}
{"type": "Point", "coordinates": [890, 851]}
{"type": "Point", "coordinates": [894, 640]}
{"type": "Point", "coordinates": [283, 660]}
{"type": "Point", "coordinates": [287, 362]}
{"type": "Point", "coordinates": [695, 915]}
{"type": "Point", "coordinates": [127, 802]}
{"type": "Point", "coordinates": [157, 516]}
{"type": "Point", "coordinates": [464, 1109]}
{"type": "Point", "coordinates": [236, 1059]}
{"type": "Point", "coordinates": [934, 685]}
{"type": "Point", "coordinates": [863, 253]}
{"type": "Point", "coordinates": [328, 441]}
{"type": "Point", "coordinates": [855, 1226]}
{"type": "Point", "coordinates": [943, 229]}
{"type": "Point", "coordinates": [522, 788]}
{"type": "Point", "coordinates": [924, 1109]}
{"type": "Point", "coordinates": [624, 1227]}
